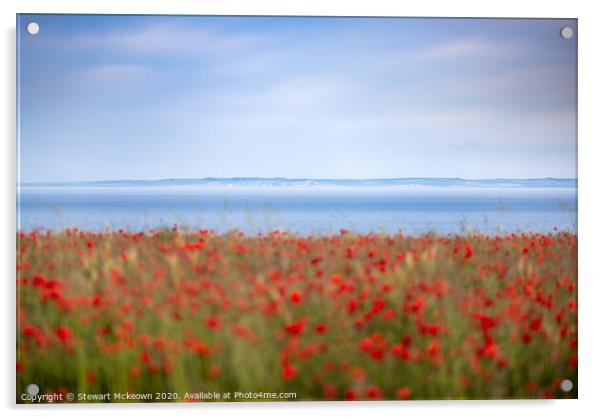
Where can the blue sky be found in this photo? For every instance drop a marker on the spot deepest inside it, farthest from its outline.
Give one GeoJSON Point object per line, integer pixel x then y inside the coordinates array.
{"type": "Point", "coordinates": [150, 97]}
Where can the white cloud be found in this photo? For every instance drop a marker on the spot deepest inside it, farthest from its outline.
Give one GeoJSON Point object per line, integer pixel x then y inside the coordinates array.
{"type": "Point", "coordinates": [409, 117]}
{"type": "Point", "coordinates": [115, 73]}
{"type": "Point", "coordinates": [300, 91]}
{"type": "Point", "coordinates": [242, 64]}
{"type": "Point", "coordinates": [469, 48]}
{"type": "Point", "coordinates": [540, 79]}
{"type": "Point", "coordinates": [485, 125]}
{"type": "Point", "coordinates": [167, 39]}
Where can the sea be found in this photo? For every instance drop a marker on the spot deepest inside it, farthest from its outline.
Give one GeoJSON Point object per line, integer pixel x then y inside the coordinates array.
{"type": "Point", "coordinates": [302, 206]}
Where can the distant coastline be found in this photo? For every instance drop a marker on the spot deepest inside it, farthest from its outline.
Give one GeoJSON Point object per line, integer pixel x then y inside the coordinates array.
{"type": "Point", "coordinates": [280, 182]}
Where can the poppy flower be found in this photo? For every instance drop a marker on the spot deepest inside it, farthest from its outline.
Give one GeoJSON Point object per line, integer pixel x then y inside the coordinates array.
{"type": "Point", "coordinates": [295, 297]}
{"type": "Point", "coordinates": [63, 333]}
{"type": "Point", "coordinates": [295, 328]}
{"type": "Point", "coordinates": [288, 371]}
{"type": "Point", "coordinates": [350, 395]}
{"type": "Point", "coordinates": [403, 392]}
{"type": "Point", "coordinates": [321, 328]}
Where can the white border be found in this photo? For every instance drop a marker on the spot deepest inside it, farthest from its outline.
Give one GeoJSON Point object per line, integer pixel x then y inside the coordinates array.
{"type": "Point", "coordinates": [590, 288]}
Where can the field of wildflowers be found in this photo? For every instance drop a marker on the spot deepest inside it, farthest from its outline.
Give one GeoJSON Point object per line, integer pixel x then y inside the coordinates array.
{"type": "Point", "coordinates": [338, 317]}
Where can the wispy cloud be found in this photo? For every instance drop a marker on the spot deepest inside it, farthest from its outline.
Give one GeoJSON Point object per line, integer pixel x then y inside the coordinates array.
{"type": "Point", "coordinates": [245, 63]}
{"type": "Point", "coordinates": [295, 91]}
{"type": "Point", "coordinates": [115, 74]}
{"type": "Point", "coordinates": [521, 79]}
{"type": "Point", "coordinates": [167, 39]}
{"type": "Point", "coordinates": [259, 96]}
{"type": "Point", "coordinates": [410, 117]}
{"type": "Point", "coordinates": [444, 55]}
{"type": "Point", "coordinates": [480, 125]}
{"type": "Point", "coordinates": [469, 48]}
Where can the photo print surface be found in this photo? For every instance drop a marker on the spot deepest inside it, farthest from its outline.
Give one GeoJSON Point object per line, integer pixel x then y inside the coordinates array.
{"type": "Point", "coordinates": [220, 208]}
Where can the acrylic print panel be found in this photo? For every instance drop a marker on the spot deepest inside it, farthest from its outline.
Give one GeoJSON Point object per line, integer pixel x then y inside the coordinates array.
{"type": "Point", "coordinates": [218, 208]}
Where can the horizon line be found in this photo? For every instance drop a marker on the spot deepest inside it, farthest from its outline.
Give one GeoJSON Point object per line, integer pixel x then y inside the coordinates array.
{"type": "Point", "coordinates": [292, 179]}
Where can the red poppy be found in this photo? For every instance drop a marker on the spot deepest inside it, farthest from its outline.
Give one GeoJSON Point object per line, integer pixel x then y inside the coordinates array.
{"type": "Point", "coordinates": [212, 322]}
{"type": "Point", "coordinates": [467, 251]}
{"type": "Point", "coordinates": [350, 395]}
{"type": "Point", "coordinates": [29, 330]}
{"type": "Point", "coordinates": [288, 371]}
{"type": "Point", "coordinates": [63, 333]}
{"type": "Point", "coordinates": [295, 297]}
{"type": "Point", "coordinates": [374, 393]}
{"type": "Point", "coordinates": [295, 328]}
{"type": "Point", "coordinates": [535, 324]}
{"type": "Point", "coordinates": [403, 393]}
{"type": "Point", "coordinates": [433, 347]}
{"type": "Point", "coordinates": [321, 328]}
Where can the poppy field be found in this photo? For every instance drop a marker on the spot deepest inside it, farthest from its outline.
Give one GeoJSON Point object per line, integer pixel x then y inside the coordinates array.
{"type": "Point", "coordinates": [334, 317]}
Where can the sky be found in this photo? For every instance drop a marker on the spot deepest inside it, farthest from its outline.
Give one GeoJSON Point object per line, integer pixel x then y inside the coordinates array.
{"type": "Point", "coordinates": [153, 97]}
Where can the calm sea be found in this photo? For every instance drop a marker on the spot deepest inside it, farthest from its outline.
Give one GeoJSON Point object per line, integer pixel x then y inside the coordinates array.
{"type": "Point", "coordinates": [305, 211]}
